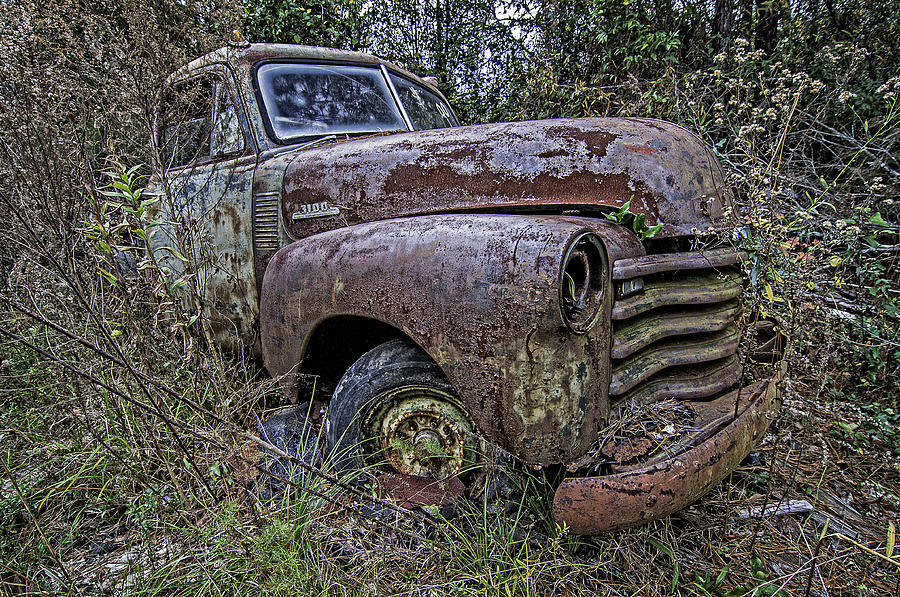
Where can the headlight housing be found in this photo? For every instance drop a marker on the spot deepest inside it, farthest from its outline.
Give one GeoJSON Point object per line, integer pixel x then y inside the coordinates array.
{"type": "Point", "coordinates": [582, 282]}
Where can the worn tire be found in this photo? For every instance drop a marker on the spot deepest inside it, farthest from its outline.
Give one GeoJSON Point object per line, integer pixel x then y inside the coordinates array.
{"type": "Point", "coordinates": [365, 390]}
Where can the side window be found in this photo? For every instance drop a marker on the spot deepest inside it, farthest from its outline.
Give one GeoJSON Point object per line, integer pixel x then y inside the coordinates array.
{"type": "Point", "coordinates": [186, 122]}
{"type": "Point", "coordinates": [199, 121]}
{"type": "Point", "coordinates": [226, 137]}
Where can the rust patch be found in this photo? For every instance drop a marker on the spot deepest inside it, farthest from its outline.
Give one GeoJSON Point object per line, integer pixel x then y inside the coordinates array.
{"type": "Point", "coordinates": [480, 294]}
{"type": "Point", "coordinates": [596, 139]}
{"type": "Point", "coordinates": [650, 148]}
{"type": "Point", "coordinates": [652, 264]}
{"type": "Point", "coordinates": [231, 216]}
{"type": "Point", "coordinates": [410, 492]}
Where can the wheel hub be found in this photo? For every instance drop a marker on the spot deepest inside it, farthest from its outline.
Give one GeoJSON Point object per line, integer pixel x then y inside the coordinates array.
{"type": "Point", "coordinates": [423, 433]}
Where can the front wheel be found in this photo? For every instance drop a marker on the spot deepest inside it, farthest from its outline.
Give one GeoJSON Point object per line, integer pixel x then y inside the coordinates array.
{"type": "Point", "coordinates": [394, 410]}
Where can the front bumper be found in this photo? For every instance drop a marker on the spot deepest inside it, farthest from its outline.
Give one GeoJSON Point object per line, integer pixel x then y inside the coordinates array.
{"type": "Point", "coordinates": [590, 505]}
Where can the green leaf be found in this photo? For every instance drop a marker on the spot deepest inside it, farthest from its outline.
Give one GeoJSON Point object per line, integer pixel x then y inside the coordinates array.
{"type": "Point", "coordinates": [723, 574]}
{"type": "Point", "coordinates": [878, 220]}
{"type": "Point", "coordinates": [108, 276]}
{"type": "Point", "coordinates": [639, 225]}
{"type": "Point", "coordinates": [570, 285]}
{"type": "Point", "coordinates": [891, 537]}
{"type": "Point", "coordinates": [652, 231]}
{"type": "Point", "coordinates": [175, 254]}
{"type": "Point", "coordinates": [663, 548]}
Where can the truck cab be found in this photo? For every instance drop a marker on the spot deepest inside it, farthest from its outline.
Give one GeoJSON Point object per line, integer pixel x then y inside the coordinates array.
{"type": "Point", "coordinates": [531, 286]}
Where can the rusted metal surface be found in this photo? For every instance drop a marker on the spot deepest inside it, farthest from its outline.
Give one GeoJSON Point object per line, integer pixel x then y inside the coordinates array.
{"type": "Point", "coordinates": [651, 264]}
{"type": "Point", "coordinates": [456, 239]}
{"type": "Point", "coordinates": [410, 492]}
{"type": "Point", "coordinates": [670, 354]}
{"type": "Point", "coordinates": [230, 212]}
{"type": "Point", "coordinates": [586, 164]}
{"type": "Point", "coordinates": [422, 432]}
{"type": "Point", "coordinates": [268, 233]}
{"type": "Point", "coordinates": [700, 289]}
{"type": "Point", "coordinates": [582, 165]}
{"type": "Point", "coordinates": [694, 382]}
{"type": "Point", "coordinates": [206, 216]}
{"type": "Point", "coordinates": [591, 505]}
{"type": "Point", "coordinates": [675, 337]}
{"type": "Point", "coordinates": [480, 294]}
{"type": "Point", "coordinates": [641, 332]}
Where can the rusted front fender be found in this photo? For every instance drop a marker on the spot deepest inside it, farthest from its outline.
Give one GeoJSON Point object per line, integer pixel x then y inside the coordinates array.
{"type": "Point", "coordinates": [480, 294]}
{"type": "Point", "coordinates": [590, 505]}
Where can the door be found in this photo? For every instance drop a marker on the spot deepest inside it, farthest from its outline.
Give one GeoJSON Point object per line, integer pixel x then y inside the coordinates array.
{"type": "Point", "coordinates": [205, 239]}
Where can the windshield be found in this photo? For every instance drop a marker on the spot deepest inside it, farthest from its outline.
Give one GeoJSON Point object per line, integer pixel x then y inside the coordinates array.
{"type": "Point", "coordinates": [424, 108]}
{"type": "Point", "coordinates": [305, 100]}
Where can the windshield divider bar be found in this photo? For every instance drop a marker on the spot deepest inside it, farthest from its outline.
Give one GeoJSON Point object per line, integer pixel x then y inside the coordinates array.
{"type": "Point", "coordinates": [390, 82]}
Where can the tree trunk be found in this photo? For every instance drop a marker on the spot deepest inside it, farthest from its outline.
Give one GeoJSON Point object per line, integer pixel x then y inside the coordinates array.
{"type": "Point", "coordinates": [723, 24]}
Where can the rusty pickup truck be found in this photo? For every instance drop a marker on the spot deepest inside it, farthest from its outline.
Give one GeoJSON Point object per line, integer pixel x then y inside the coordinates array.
{"type": "Point", "coordinates": [553, 290]}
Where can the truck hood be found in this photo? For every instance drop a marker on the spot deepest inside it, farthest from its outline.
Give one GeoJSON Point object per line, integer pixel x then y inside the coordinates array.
{"type": "Point", "coordinates": [584, 165]}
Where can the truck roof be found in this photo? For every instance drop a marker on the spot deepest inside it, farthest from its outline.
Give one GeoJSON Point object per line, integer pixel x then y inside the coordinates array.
{"type": "Point", "coordinates": [245, 55]}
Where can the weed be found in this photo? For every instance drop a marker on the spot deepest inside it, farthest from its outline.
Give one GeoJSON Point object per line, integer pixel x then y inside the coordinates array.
{"type": "Point", "coordinates": [636, 222]}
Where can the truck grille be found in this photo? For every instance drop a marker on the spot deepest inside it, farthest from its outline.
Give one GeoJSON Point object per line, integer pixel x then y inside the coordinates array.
{"type": "Point", "coordinates": [677, 339]}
